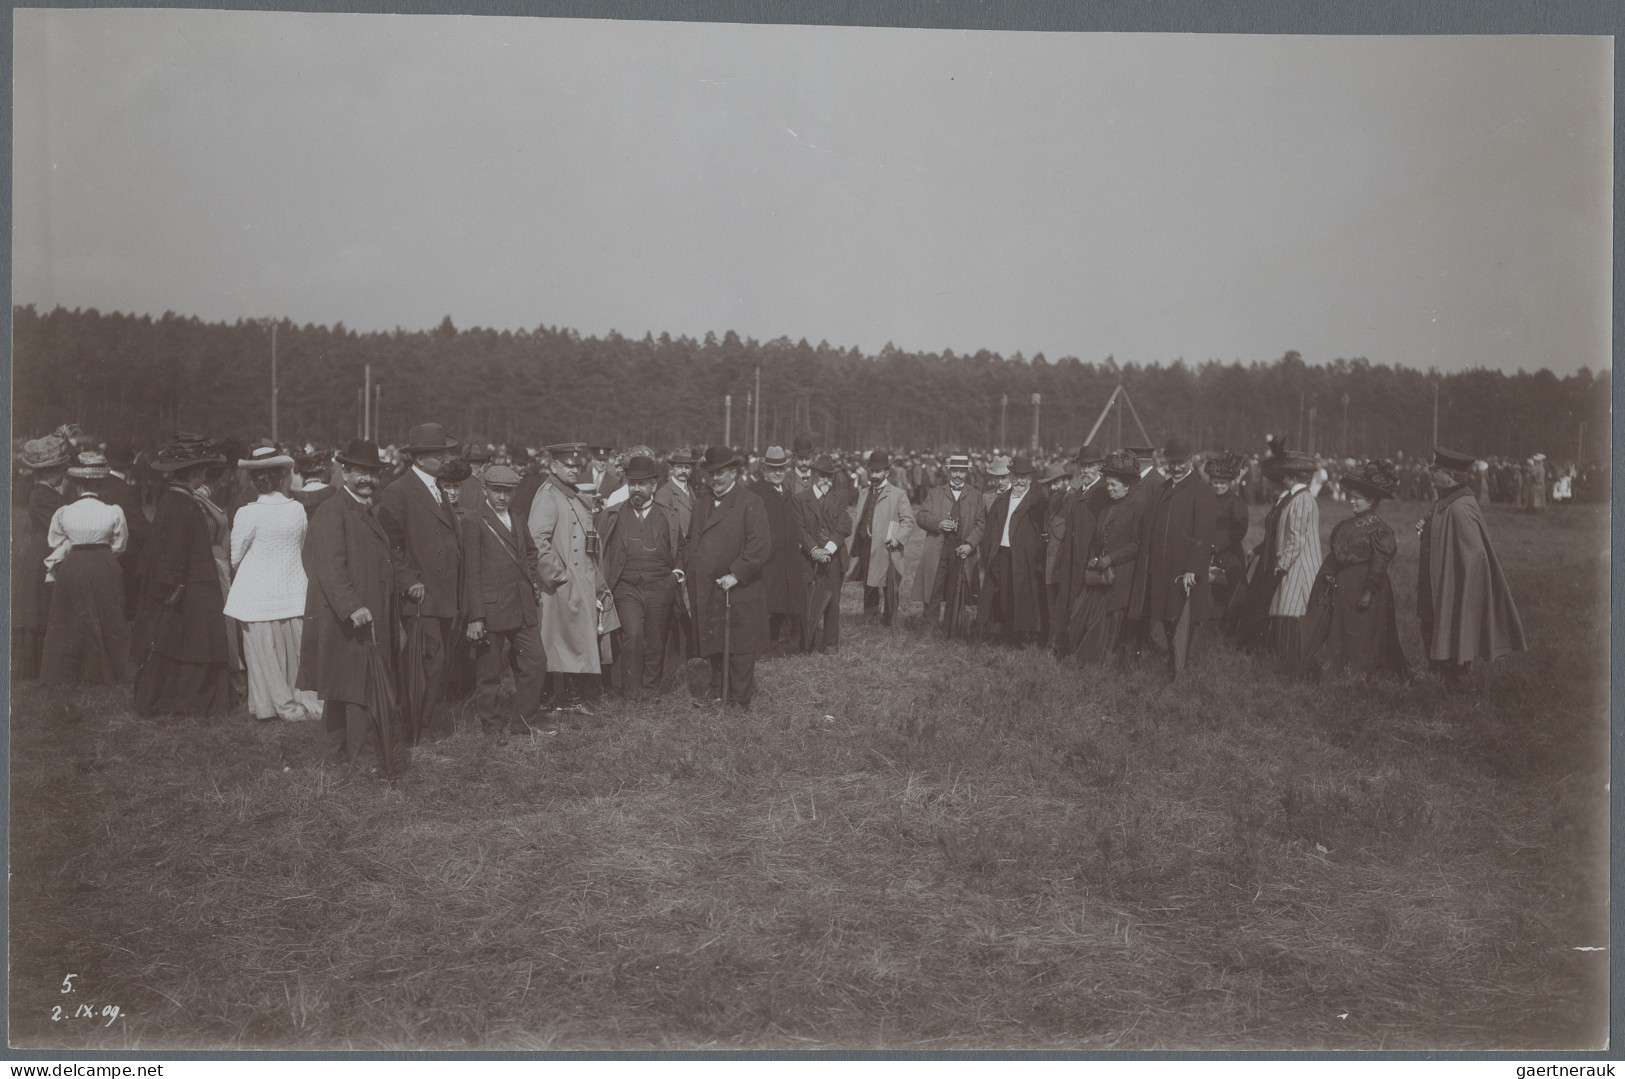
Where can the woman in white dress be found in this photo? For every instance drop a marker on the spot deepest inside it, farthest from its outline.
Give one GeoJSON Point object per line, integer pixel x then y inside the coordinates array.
{"type": "Point", "coordinates": [86, 638]}
{"type": "Point", "coordinates": [268, 589]}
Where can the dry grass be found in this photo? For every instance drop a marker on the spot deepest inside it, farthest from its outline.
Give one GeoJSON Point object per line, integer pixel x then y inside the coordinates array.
{"type": "Point", "coordinates": [914, 845]}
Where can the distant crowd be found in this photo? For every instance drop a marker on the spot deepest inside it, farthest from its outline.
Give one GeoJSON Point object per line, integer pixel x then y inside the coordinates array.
{"type": "Point", "coordinates": [370, 587]}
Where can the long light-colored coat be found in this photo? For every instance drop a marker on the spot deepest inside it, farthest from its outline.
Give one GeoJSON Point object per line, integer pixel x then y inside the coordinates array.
{"type": "Point", "coordinates": [571, 580]}
{"type": "Point", "coordinates": [1297, 554]}
{"type": "Point", "coordinates": [893, 521]}
{"type": "Point", "coordinates": [939, 506]}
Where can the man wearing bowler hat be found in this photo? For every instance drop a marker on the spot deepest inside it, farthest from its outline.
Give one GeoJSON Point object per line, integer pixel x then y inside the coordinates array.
{"type": "Point", "coordinates": [825, 525]}
{"type": "Point", "coordinates": [575, 597]}
{"type": "Point", "coordinates": [785, 579]}
{"type": "Point", "coordinates": [884, 521]}
{"type": "Point", "coordinates": [423, 536]}
{"type": "Point", "coordinates": [643, 548]}
{"type": "Point", "coordinates": [500, 601]}
{"type": "Point", "coordinates": [801, 476]}
{"type": "Point", "coordinates": [727, 548]}
{"type": "Point", "coordinates": [349, 607]}
{"type": "Point", "coordinates": [1176, 546]}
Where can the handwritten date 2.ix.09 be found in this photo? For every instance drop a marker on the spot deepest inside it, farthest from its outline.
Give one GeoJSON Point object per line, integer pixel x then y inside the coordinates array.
{"type": "Point", "coordinates": [109, 1012]}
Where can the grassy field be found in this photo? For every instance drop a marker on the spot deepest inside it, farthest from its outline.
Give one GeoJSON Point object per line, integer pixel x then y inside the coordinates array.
{"type": "Point", "coordinates": [912, 845]}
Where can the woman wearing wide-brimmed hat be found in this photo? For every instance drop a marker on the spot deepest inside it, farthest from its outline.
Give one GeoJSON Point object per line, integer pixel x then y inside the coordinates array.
{"type": "Point", "coordinates": [46, 460]}
{"type": "Point", "coordinates": [268, 588]}
{"type": "Point", "coordinates": [1228, 567]}
{"type": "Point", "coordinates": [1108, 573]}
{"type": "Point", "coordinates": [1351, 623]}
{"type": "Point", "coordinates": [87, 640]}
{"type": "Point", "coordinates": [180, 625]}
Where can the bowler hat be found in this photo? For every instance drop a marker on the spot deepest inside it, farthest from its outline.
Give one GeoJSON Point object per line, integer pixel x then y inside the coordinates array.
{"type": "Point", "coordinates": [1088, 455]}
{"type": "Point", "coordinates": [428, 438]}
{"type": "Point", "coordinates": [776, 458]}
{"type": "Point", "coordinates": [361, 453]}
{"type": "Point", "coordinates": [824, 464]}
{"type": "Point", "coordinates": [1451, 459]}
{"type": "Point", "coordinates": [720, 457]}
{"type": "Point", "coordinates": [1022, 466]}
{"type": "Point", "coordinates": [802, 446]}
{"type": "Point", "coordinates": [641, 468]}
{"type": "Point", "coordinates": [879, 459]}
{"type": "Point", "coordinates": [500, 476]}
{"type": "Point", "coordinates": [1177, 449]}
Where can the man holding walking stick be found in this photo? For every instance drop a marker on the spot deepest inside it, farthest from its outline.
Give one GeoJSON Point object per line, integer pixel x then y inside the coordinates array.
{"type": "Point", "coordinates": [728, 546]}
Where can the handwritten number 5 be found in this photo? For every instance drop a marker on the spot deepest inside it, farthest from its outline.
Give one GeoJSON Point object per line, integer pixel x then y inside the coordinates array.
{"type": "Point", "coordinates": [67, 982]}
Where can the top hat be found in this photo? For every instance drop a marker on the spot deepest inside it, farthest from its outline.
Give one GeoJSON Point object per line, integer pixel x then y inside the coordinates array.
{"type": "Point", "coordinates": [720, 457]}
{"type": "Point", "coordinates": [361, 453]}
{"type": "Point", "coordinates": [641, 468]}
{"type": "Point", "coordinates": [879, 459]}
{"type": "Point", "coordinates": [824, 464]}
{"type": "Point", "coordinates": [1177, 449]}
{"type": "Point", "coordinates": [1379, 479]}
{"type": "Point", "coordinates": [428, 438]}
{"type": "Point", "coordinates": [47, 452]}
{"type": "Point", "coordinates": [776, 458]}
{"type": "Point", "coordinates": [1022, 466]}
{"type": "Point", "coordinates": [89, 465]}
{"type": "Point", "coordinates": [185, 451]}
{"type": "Point", "coordinates": [265, 457]}
{"type": "Point", "coordinates": [1451, 459]}
{"type": "Point", "coordinates": [500, 476]}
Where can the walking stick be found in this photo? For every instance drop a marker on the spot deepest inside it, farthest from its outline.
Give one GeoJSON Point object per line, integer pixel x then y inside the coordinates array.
{"type": "Point", "coordinates": [727, 640]}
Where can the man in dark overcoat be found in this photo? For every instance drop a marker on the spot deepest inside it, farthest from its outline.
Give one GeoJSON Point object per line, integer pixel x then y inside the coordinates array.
{"type": "Point", "coordinates": [727, 548]}
{"type": "Point", "coordinates": [349, 605]}
{"type": "Point", "coordinates": [1176, 547]}
{"type": "Point", "coordinates": [952, 517]}
{"type": "Point", "coordinates": [677, 493]}
{"type": "Point", "coordinates": [786, 578]}
{"type": "Point", "coordinates": [1013, 594]}
{"type": "Point", "coordinates": [643, 550]}
{"type": "Point", "coordinates": [427, 552]}
{"type": "Point", "coordinates": [1084, 505]}
{"type": "Point", "coordinates": [826, 522]}
{"type": "Point", "coordinates": [500, 597]}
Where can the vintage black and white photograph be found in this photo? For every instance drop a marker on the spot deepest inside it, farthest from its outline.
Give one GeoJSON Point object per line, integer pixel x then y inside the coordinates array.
{"type": "Point", "coordinates": [537, 534]}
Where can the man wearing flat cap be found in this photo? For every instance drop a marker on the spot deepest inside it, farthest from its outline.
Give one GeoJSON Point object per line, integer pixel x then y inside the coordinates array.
{"type": "Point", "coordinates": [577, 606]}
{"type": "Point", "coordinates": [500, 605]}
{"type": "Point", "coordinates": [727, 549]}
{"type": "Point", "coordinates": [422, 527]}
{"type": "Point", "coordinates": [1176, 547]}
{"type": "Point", "coordinates": [1462, 598]}
{"type": "Point", "coordinates": [884, 521]}
{"type": "Point", "coordinates": [952, 517]}
{"type": "Point", "coordinates": [825, 525]}
{"type": "Point", "coordinates": [643, 548]}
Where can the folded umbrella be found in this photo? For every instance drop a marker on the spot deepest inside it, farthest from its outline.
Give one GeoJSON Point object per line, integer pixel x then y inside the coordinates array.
{"type": "Point", "coordinates": [381, 703]}
{"type": "Point", "coordinates": [414, 678]}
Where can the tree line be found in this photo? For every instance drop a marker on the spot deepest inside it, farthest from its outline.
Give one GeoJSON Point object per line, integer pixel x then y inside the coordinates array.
{"type": "Point", "coordinates": [139, 377]}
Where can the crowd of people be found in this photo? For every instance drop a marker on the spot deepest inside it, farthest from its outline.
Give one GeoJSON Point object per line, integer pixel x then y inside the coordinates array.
{"type": "Point", "coordinates": [372, 588]}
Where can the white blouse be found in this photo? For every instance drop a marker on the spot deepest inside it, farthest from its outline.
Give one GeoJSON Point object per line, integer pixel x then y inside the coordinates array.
{"type": "Point", "coordinates": [85, 520]}
{"type": "Point", "coordinates": [267, 539]}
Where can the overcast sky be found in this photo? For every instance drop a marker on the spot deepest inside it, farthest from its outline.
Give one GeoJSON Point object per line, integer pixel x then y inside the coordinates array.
{"type": "Point", "coordinates": [1422, 201]}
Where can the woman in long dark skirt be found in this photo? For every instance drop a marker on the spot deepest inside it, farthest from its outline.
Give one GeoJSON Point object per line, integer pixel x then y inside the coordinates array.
{"type": "Point", "coordinates": [87, 640]}
{"type": "Point", "coordinates": [180, 622]}
{"type": "Point", "coordinates": [46, 460]}
{"type": "Point", "coordinates": [1351, 622]}
{"type": "Point", "coordinates": [1228, 567]}
{"type": "Point", "coordinates": [1109, 571]}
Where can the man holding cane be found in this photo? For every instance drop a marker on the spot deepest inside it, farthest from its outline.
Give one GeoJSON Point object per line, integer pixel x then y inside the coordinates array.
{"type": "Point", "coordinates": [727, 548]}
{"type": "Point", "coordinates": [952, 516]}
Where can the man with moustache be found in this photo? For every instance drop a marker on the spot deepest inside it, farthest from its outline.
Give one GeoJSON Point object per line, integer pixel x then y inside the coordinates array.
{"type": "Point", "coordinates": [349, 608]}
{"type": "Point", "coordinates": [643, 548]}
{"type": "Point", "coordinates": [575, 597]}
{"type": "Point", "coordinates": [677, 493]}
{"type": "Point", "coordinates": [784, 578]}
{"type": "Point", "coordinates": [1176, 547]}
{"type": "Point", "coordinates": [952, 517]}
{"type": "Point", "coordinates": [801, 476]}
{"type": "Point", "coordinates": [726, 552]}
{"type": "Point", "coordinates": [427, 552]}
{"type": "Point", "coordinates": [500, 605]}
{"type": "Point", "coordinates": [884, 521]}
{"type": "Point", "coordinates": [1013, 598]}
{"type": "Point", "coordinates": [825, 525]}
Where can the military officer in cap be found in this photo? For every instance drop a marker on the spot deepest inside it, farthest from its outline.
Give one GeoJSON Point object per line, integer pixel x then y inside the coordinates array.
{"type": "Point", "coordinates": [951, 515]}
{"type": "Point", "coordinates": [575, 597]}
{"type": "Point", "coordinates": [727, 549]}
{"type": "Point", "coordinates": [500, 605]}
{"type": "Point", "coordinates": [643, 550]}
{"type": "Point", "coordinates": [825, 525]}
{"type": "Point", "coordinates": [427, 553]}
{"type": "Point", "coordinates": [884, 521]}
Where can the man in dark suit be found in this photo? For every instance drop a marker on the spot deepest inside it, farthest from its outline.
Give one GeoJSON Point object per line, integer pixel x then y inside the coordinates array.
{"type": "Point", "coordinates": [727, 548]}
{"type": "Point", "coordinates": [677, 493]}
{"type": "Point", "coordinates": [785, 578]}
{"type": "Point", "coordinates": [349, 605]}
{"type": "Point", "coordinates": [643, 548]}
{"type": "Point", "coordinates": [1084, 505]}
{"type": "Point", "coordinates": [500, 604]}
{"type": "Point", "coordinates": [426, 550]}
{"type": "Point", "coordinates": [1176, 545]}
{"type": "Point", "coordinates": [1013, 596]}
{"type": "Point", "coordinates": [825, 525]}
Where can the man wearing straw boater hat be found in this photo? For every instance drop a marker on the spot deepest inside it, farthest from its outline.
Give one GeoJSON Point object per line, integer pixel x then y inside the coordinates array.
{"type": "Point", "coordinates": [825, 524]}
{"type": "Point", "coordinates": [350, 608]}
{"type": "Point", "coordinates": [1176, 547]}
{"type": "Point", "coordinates": [423, 536]}
{"type": "Point", "coordinates": [577, 606]}
{"type": "Point", "coordinates": [727, 548]}
{"type": "Point", "coordinates": [643, 548]}
{"type": "Point", "coordinates": [501, 598]}
{"type": "Point", "coordinates": [952, 516]}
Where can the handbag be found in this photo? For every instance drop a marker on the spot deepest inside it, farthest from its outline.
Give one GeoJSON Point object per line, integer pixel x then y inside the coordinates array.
{"type": "Point", "coordinates": [1098, 578]}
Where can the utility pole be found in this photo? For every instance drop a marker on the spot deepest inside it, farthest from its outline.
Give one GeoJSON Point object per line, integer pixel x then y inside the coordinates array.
{"type": "Point", "coordinates": [756, 426]}
{"type": "Point", "coordinates": [366, 402]}
{"type": "Point", "coordinates": [1034, 445]}
{"type": "Point", "coordinates": [1434, 444]}
{"type": "Point", "coordinates": [378, 411]}
{"type": "Point", "coordinates": [1004, 400]}
{"type": "Point", "coordinates": [1346, 426]}
{"type": "Point", "coordinates": [727, 419]}
{"type": "Point", "coordinates": [273, 382]}
{"type": "Point", "coordinates": [748, 400]}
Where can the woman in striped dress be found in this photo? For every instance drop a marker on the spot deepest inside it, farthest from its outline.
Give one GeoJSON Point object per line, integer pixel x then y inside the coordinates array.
{"type": "Point", "coordinates": [1295, 562]}
{"type": "Point", "coordinates": [268, 589]}
{"type": "Point", "coordinates": [87, 639]}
